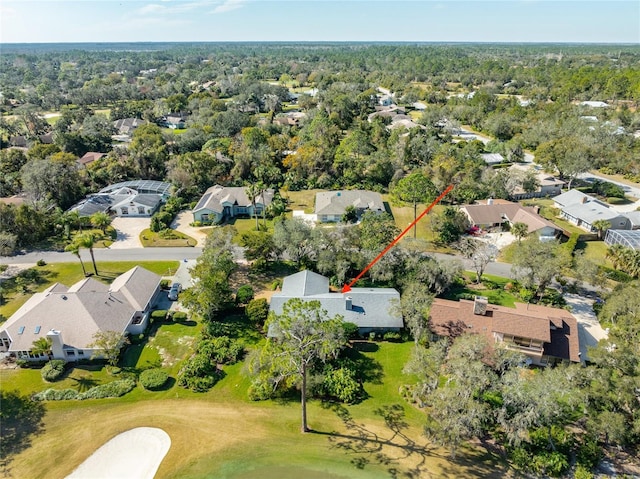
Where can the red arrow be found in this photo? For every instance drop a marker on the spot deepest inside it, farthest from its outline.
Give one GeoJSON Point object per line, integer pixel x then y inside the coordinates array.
{"type": "Point", "coordinates": [347, 287]}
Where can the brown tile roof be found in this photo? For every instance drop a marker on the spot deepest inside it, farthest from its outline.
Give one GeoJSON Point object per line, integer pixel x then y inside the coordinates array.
{"type": "Point", "coordinates": [502, 210]}
{"type": "Point", "coordinates": [90, 157]}
{"type": "Point", "coordinates": [556, 327]}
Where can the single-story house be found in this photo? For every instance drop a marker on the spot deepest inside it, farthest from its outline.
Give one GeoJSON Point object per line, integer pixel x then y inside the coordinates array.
{"type": "Point", "coordinates": [548, 185]}
{"type": "Point", "coordinates": [634, 219]}
{"type": "Point", "coordinates": [583, 210]}
{"type": "Point", "coordinates": [127, 198]}
{"type": "Point", "coordinates": [492, 158]}
{"type": "Point", "coordinates": [331, 205]}
{"type": "Point", "coordinates": [89, 158]}
{"type": "Point", "coordinates": [71, 316]}
{"type": "Point", "coordinates": [372, 309]}
{"type": "Point", "coordinates": [497, 213]}
{"type": "Point", "coordinates": [594, 104]}
{"type": "Point", "coordinates": [545, 335]}
{"type": "Point", "coordinates": [221, 202]}
{"type": "Point", "coordinates": [175, 121]}
{"type": "Point", "coordinates": [125, 126]}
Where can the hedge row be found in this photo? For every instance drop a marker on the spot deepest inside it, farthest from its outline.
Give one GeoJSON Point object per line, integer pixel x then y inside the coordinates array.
{"type": "Point", "coordinates": [113, 389]}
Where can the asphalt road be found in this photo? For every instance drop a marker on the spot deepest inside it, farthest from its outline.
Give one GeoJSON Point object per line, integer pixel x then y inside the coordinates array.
{"type": "Point", "coordinates": [181, 254]}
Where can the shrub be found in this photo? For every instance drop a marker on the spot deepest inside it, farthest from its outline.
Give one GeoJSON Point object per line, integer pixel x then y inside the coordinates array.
{"type": "Point", "coordinates": [257, 311]}
{"type": "Point", "coordinates": [56, 395]}
{"type": "Point", "coordinates": [213, 329]}
{"type": "Point", "coordinates": [244, 295]}
{"type": "Point", "coordinates": [342, 384]}
{"type": "Point", "coordinates": [136, 338]}
{"type": "Point", "coordinates": [158, 315]}
{"type": "Point", "coordinates": [165, 284]}
{"type": "Point", "coordinates": [276, 284]}
{"type": "Point", "coordinates": [571, 244]}
{"type": "Point", "coordinates": [179, 316]}
{"type": "Point", "coordinates": [221, 349]}
{"type": "Point", "coordinates": [582, 472]}
{"type": "Point", "coordinates": [260, 389]}
{"type": "Point", "coordinates": [392, 336]}
{"type": "Point", "coordinates": [153, 378]}
{"type": "Point", "coordinates": [198, 374]}
{"type": "Point", "coordinates": [41, 262]}
{"type": "Point", "coordinates": [53, 370]}
{"type": "Point", "coordinates": [350, 330]}
{"type": "Point", "coordinates": [113, 389]}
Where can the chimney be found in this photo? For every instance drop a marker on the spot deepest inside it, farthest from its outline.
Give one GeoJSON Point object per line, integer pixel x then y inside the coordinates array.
{"type": "Point", "coordinates": [348, 303]}
{"type": "Point", "coordinates": [56, 344]}
{"type": "Point", "coordinates": [585, 199]}
{"type": "Point", "coordinates": [480, 305]}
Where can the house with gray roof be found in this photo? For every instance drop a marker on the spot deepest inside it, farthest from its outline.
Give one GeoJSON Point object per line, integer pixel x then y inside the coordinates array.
{"type": "Point", "coordinates": [583, 210]}
{"type": "Point", "coordinates": [71, 316]}
{"type": "Point", "coordinates": [372, 309]}
{"type": "Point", "coordinates": [222, 202]}
{"type": "Point", "coordinates": [128, 198]}
{"type": "Point", "coordinates": [331, 205]}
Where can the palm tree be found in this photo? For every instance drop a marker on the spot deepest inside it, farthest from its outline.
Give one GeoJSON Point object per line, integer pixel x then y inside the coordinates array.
{"type": "Point", "coordinates": [88, 240]}
{"type": "Point", "coordinates": [601, 226]}
{"type": "Point", "coordinates": [615, 254]}
{"type": "Point", "coordinates": [519, 230]}
{"type": "Point", "coordinates": [101, 220]}
{"type": "Point", "coordinates": [74, 248]}
{"type": "Point", "coordinates": [252, 191]}
{"type": "Point", "coordinates": [41, 347]}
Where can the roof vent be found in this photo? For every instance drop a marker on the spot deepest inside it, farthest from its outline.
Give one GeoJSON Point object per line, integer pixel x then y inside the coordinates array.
{"type": "Point", "coordinates": [349, 303]}
{"type": "Point", "coordinates": [480, 305]}
{"type": "Point", "coordinates": [63, 297]}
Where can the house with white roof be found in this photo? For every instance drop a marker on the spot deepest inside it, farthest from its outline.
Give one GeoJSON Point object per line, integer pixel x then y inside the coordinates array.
{"type": "Point", "coordinates": [372, 309]}
{"type": "Point", "coordinates": [127, 198]}
{"type": "Point", "coordinates": [222, 202]}
{"type": "Point", "coordinates": [71, 316]}
{"type": "Point", "coordinates": [331, 205]}
{"type": "Point", "coordinates": [583, 210]}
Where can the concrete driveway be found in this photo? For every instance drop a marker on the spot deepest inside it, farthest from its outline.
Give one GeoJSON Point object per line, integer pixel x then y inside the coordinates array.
{"type": "Point", "coordinates": [181, 223]}
{"type": "Point", "coordinates": [589, 329]}
{"type": "Point", "coordinates": [129, 230]}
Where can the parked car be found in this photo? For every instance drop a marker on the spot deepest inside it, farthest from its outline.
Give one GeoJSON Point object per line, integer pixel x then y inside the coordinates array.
{"type": "Point", "coordinates": [175, 291]}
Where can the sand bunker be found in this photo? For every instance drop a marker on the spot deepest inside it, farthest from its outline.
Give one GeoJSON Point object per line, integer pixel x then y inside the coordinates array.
{"type": "Point", "coordinates": [134, 454]}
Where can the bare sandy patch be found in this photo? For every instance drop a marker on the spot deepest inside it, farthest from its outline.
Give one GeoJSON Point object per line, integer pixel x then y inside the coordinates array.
{"type": "Point", "coordinates": [134, 454]}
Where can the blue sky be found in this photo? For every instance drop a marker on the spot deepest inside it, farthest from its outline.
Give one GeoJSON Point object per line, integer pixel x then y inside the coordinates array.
{"type": "Point", "coordinates": [601, 21]}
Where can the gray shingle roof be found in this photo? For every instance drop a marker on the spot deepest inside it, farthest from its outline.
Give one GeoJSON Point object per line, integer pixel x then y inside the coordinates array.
{"type": "Point", "coordinates": [370, 307]}
{"type": "Point", "coordinates": [82, 310]}
{"type": "Point", "coordinates": [215, 196]}
{"type": "Point", "coordinates": [335, 202]}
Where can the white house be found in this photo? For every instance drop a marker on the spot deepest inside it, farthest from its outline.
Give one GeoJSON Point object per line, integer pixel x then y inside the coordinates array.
{"type": "Point", "coordinates": [372, 309]}
{"type": "Point", "coordinates": [71, 316]}
{"type": "Point", "coordinates": [583, 210]}
{"type": "Point", "coordinates": [220, 202]}
{"type": "Point", "coordinates": [331, 205]}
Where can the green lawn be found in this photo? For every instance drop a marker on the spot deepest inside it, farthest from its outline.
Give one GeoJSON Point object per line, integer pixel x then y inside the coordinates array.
{"type": "Point", "coordinates": [301, 200]}
{"type": "Point", "coordinates": [496, 294]}
{"type": "Point", "coordinates": [150, 239]}
{"type": "Point", "coordinates": [211, 433]}
{"type": "Point", "coordinates": [70, 273]}
{"type": "Point", "coordinates": [595, 251]}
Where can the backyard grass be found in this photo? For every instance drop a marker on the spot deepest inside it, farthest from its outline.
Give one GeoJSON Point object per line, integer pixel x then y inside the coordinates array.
{"type": "Point", "coordinates": [70, 273]}
{"type": "Point", "coordinates": [496, 294]}
{"type": "Point", "coordinates": [301, 200]}
{"type": "Point", "coordinates": [224, 435]}
{"type": "Point", "coordinates": [149, 239]}
{"type": "Point", "coordinates": [595, 251]}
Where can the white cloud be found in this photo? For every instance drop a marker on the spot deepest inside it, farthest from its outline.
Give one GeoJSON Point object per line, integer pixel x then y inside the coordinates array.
{"type": "Point", "coordinates": [229, 5]}
{"type": "Point", "coordinates": [174, 8]}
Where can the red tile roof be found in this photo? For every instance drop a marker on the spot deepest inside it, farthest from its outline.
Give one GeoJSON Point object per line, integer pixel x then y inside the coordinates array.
{"type": "Point", "coordinates": [557, 328]}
